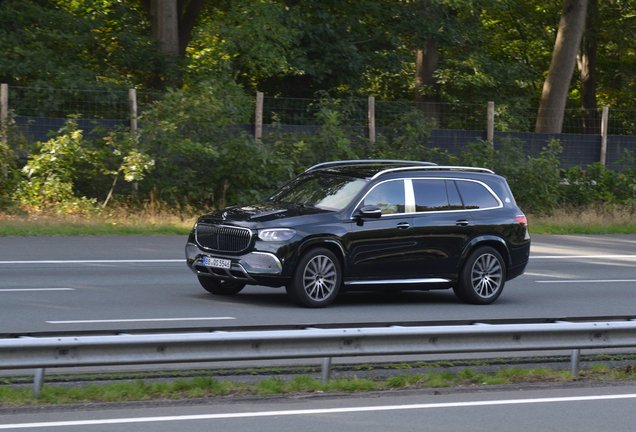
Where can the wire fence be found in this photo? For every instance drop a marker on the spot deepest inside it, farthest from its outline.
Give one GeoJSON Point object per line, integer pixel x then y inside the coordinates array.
{"type": "Point", "coordinates": [115, 105]}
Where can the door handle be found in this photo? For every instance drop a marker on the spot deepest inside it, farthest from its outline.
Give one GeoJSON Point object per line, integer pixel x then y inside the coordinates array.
{"type": "Point", "coordinates": [403, 225]}
{"type": "Point", "coordinates": [461, 222]}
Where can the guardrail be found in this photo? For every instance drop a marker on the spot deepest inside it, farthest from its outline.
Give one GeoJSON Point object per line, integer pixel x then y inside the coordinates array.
{"type": "Point", "coordinates": [126, 349]}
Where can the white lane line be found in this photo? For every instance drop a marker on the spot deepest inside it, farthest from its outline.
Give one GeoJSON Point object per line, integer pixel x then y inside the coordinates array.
{"type": "Point", "coordinates": [315, 411]}
{"type": "Point", "coordinates": [582, 256]}
{"type": "Point", "coordinates": [140, 320]}
{"type": "Point", "coordinates": [35, 289]}
{"type": "Point", "coordinates": [587, 281]}
{"type": "Point", "coordinates": [95, 261]}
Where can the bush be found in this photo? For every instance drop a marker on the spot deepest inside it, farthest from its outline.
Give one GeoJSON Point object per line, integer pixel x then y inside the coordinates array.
{"type": "Point", "coordinates": [535, 182]}
{"type": "Point", "coordinates": [48, 185]}
{"type": "Point", "coordinates": [600, 185]}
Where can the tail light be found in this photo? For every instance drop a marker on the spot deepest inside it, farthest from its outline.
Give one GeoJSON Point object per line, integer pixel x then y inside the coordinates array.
{"type": "Point", "coordinates": [522, 220]}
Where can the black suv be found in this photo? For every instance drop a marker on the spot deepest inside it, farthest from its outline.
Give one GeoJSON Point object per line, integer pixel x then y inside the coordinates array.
{"type": "Point", "coordinates": [368, 225]}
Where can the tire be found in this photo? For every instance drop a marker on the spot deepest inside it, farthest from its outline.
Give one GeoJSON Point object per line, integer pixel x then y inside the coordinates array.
{"type": "Point", "coordinates": [482, 278]}
{"type": "Point", "coordinates": [220, 286]}
{"type": "Point", "coordinates": [316, 280]}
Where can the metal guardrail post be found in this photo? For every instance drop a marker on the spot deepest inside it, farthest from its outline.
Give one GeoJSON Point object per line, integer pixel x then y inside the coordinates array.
{"type": "Point", "coordinates": [326, 370]}
{"type": "Point", "coordinates": [576, 362]}
{"type": "Point", "coordinates": [38, 382]}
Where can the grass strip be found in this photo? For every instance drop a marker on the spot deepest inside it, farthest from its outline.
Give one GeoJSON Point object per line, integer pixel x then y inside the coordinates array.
{"type": "Point", "coordinates": [165, 221]}
{"type": "Point", "coordinates": [208, 386]}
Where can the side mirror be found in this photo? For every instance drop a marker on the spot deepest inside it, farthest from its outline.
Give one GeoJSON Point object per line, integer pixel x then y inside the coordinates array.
{"type": "Point", "coordinates": [370, 212]}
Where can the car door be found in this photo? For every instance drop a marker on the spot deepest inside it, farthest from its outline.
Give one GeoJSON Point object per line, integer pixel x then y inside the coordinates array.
{"type": "Point", "coordinates": [441, 227]}
{"type": "Point", "coordinates": [381, 249]}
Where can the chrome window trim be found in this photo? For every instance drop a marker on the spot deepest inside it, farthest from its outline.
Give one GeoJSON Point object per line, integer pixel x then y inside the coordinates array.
{"type": "Point", "coordinates": [409, 197]}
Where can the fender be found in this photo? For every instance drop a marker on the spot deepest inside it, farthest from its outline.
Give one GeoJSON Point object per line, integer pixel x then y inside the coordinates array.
{"type": "Point", "coordinates": [318, 241]}
{"type": "Point", "coordinates": [486, 240]}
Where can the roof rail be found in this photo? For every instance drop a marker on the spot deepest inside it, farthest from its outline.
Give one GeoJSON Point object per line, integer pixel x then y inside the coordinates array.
{"type": "Point", "coordinates": [435, 168]}
{"type": "Point", "coordinates": [369, 162]}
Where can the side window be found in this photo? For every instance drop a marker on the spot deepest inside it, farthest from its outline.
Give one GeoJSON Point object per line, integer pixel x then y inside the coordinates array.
{"type": "Point", "coordinates": [454, 200]}
{"type": "Point", "coordinates": [430, 195]}
{"type": "Point", "coordinates": [475, 195]}
{"type": "Point", "coordinates": [389, 196]}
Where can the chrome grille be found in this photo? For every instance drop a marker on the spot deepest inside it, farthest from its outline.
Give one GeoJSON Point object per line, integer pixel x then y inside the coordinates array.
{"type": "Point", "coordinates": [223, 238]}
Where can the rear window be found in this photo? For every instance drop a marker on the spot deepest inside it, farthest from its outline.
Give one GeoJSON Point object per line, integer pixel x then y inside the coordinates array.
{"type": "Point", "coordinates": [476, 196]}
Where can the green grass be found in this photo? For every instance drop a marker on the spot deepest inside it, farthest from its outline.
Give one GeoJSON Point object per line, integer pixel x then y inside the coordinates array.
{"type": "Point", "coordinates": [119, 223]}
{"type": "Point", "coordinates": [164, 221]}
{"type": "Point", "coordinates": [206, 386]}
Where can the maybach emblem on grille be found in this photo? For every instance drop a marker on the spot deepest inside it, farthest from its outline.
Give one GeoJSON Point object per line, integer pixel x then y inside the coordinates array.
{"type": "Point", "coordinates": [223, 238]}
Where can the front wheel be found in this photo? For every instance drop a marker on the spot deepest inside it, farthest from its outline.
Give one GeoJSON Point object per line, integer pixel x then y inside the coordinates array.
{"type": "Point", "coordinates": [482, 278]}
{"type": "Point", "coordinates": [316, 280]}
{"type": "Point", "coordinates": [220, 286]}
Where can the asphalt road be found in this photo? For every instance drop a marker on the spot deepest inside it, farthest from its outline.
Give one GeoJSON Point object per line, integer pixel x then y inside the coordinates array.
{"type": "Point", "coordinates": [81, 283]}
{"type": "Point", "coordinates": [565, 409]}
{"type": "Point", "coordinates": [101, 282]}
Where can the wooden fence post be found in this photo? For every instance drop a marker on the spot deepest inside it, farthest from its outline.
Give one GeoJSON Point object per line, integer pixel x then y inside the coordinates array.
{"type": "Point", "coordinates": [604, 125]}
{"type": "Point", "coordinates": [258, 117]}
{"type": "Point", "coordinates": [372, 119]}
{"type": "Point", "coordinates": [132, 103]}
{"type": "Point", "coordinates": [490, 123]}
{"type": "Point", "coordinates": [4, 121]}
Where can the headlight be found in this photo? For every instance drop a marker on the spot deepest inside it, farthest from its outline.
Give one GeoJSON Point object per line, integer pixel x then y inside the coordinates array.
{"type": "Point", "coordinates": [276, 234]}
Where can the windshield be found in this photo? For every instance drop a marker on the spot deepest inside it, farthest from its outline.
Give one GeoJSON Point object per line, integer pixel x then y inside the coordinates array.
{"type": "Point", "coordinates": [319, 190]}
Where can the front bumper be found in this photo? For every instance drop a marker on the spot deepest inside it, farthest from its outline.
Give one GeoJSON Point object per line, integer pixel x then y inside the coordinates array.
{"type": "Point", "coordinates": [248, 268]}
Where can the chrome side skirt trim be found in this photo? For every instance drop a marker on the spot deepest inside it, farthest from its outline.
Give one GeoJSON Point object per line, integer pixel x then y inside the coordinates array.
{"type": "Point", "coordinates": [398, 281]}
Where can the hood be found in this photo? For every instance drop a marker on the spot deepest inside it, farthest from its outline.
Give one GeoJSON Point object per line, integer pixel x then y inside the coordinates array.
{"type": "Point", "coordinates": [261, 212]}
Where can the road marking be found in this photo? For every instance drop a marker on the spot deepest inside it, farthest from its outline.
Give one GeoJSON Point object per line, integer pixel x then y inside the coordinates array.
{"type": "Point", "coordinates": [582, 256]}
{"type": "Point", "coordinates": [95, 261]}
{"type": "Point", "coordinates": [140, 320]}
{"type": "Point", "coordinates": [36, 289]}
{"type": "Point", "coordinates": [587, 281]}
{"type": "Point", "coordinates": [314, 411]}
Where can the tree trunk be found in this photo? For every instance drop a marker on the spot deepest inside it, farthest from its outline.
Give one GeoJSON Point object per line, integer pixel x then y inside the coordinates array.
{"type": "Point", "coordinates": [426, 88]}
{"type": "Point", "coordinates": [171, 23]}
{"type": "Point", "coordinates": [557, 83]}
{"type": "Point", "coordinates": [587, 67]}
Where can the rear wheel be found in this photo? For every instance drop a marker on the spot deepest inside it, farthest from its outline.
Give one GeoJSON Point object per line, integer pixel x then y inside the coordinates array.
{"type": "Point", "coordinates": [220, 286]}
{"type": "Point", "coordinates": [482, 278]}
{"type": "Point", "coordinates": [316, 280]}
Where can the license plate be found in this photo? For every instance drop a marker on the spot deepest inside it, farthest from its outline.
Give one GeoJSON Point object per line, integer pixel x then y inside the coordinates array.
{"type": "Point", "coordinates": [217, 262]}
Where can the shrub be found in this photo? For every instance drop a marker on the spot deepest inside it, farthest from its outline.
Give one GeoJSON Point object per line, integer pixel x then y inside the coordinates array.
{"type": "Point", "coordinates": [535, 182]}
{"type": "Point", "coordinates": [48, 185]}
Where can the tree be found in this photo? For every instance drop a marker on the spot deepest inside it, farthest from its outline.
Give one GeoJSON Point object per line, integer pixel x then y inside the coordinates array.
{"type": "Point", "coordinates": [172, 22]}
{"type": "Point", "coordinates": [557, 83]}
{"type": "Point", "coordinates": [586, 61]}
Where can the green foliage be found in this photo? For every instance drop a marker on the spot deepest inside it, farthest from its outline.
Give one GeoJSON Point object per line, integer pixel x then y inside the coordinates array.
{"type": "Point", "coordinates": [50, 174]}
{"type": "Point", "coordinates": [9, 175]}
{"type": "Point", "coordinates": [53, 176]}
{"type": "Point", "coordinates": [102, 44]}
{"type": "Point", "coordinates": [535, 182]}
{"type": "Point", "coordinates": [408, 138]}
{"type": "Point", "coordinates": [599, 184]}
{"type": "Point", "coordinates": [202, 155]}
